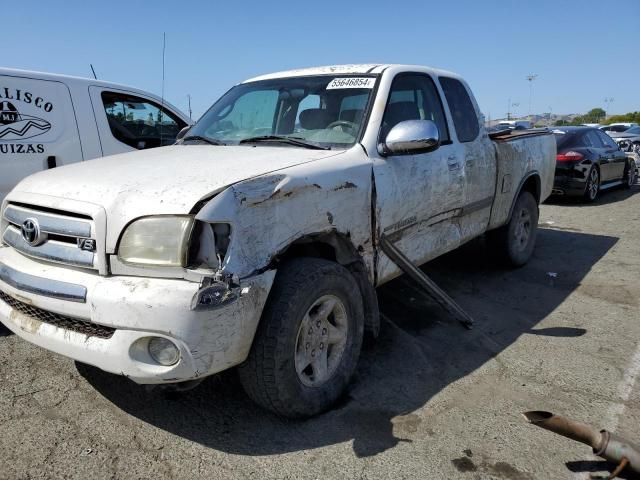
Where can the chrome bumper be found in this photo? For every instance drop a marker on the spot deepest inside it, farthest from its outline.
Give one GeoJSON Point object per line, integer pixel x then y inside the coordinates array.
{"type": "Point", "coordinates": [42, 286]}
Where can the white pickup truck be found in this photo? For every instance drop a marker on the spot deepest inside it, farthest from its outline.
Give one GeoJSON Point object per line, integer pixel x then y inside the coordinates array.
{"type": "Point", "coordinates": [49, 120]}
{"type": "Point", "coordinates": [256, 240]}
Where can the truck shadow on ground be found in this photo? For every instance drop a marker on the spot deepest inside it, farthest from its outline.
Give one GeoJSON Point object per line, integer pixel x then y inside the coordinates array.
{"type": "Point", "coordinates": [419, 352]}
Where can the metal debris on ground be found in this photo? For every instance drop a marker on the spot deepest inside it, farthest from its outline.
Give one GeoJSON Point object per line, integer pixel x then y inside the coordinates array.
{"type": "Point", "coordinates": [605, 444]}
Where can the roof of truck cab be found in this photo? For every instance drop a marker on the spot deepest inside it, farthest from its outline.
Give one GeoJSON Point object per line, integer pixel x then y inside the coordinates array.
{"type": "Point", "coordinates": [351, 69]}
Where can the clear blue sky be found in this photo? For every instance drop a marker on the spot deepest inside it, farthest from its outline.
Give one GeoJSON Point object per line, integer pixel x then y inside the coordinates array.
{"type": "Point", "coordinates": [582, 50]}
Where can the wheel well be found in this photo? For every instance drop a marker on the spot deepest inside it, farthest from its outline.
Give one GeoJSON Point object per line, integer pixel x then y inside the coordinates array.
{"type": "Point", "coordinates": [532, 185]}
{"type": "Point", "coordinates": [338, 248]}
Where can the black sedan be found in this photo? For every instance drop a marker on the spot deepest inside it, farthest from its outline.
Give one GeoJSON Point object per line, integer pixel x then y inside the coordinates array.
{"type": "Point", "coordinates": [588, 161]}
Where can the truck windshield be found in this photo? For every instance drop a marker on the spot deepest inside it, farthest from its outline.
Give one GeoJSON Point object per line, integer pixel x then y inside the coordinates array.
{"type": "Point", "coordinates": [324, 111]}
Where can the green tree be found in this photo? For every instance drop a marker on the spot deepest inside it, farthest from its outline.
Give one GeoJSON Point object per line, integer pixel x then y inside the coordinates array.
{"type": "Point", "coordinates": [627, 117]}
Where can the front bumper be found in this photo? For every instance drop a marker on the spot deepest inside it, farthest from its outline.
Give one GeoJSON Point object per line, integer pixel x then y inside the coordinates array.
{"type": "Point", "coordinates": [135, 308]}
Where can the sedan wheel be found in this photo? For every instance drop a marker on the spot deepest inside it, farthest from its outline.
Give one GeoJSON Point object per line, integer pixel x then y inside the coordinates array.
{"type": "Point", "coordinates": [593, 185]}
{"type": "Point", "coordinates": [630, 175]}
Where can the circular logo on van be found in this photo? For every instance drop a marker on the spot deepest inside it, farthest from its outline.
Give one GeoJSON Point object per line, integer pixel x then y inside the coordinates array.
{"type": "Point", "coordinates": [17, 126]}
{"type": "Point", "coordinates": [31, 231]}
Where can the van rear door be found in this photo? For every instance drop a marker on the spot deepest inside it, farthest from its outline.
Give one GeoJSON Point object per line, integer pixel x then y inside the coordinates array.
{"type": "Point", "coordinates": [38, 128]}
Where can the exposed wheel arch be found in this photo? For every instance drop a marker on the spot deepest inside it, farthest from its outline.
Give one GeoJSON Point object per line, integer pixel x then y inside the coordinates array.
{"type": "Point", "coordinates": [530, 183]}
{"type": "Point", "coordinates": [337, 247]}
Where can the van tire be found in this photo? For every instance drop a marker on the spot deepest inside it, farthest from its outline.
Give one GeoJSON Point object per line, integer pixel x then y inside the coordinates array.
{"type": "Point", "coordinates": [514, 242]}
{"type": "Point", "coordinates": [290, 328]}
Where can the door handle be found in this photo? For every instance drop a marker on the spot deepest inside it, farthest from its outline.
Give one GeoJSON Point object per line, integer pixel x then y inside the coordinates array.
{"type": "Point", "coordinates": [452, 162]}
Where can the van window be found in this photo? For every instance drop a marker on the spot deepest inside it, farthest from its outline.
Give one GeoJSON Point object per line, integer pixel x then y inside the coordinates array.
{"type": "Point", "coordinates": [464, 115]}
{"type": "Point", "coordinates": [139, 122]}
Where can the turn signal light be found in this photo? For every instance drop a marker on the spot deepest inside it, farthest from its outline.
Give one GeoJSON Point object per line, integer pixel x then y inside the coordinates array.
{"type": "Point", "coordinates": [569, 156]}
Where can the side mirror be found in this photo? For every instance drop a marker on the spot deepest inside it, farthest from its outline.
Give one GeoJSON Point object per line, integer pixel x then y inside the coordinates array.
{"type": "Point", "coordinates": [411, 137]}
{"type": "Point", "coordinates": [183, 132]}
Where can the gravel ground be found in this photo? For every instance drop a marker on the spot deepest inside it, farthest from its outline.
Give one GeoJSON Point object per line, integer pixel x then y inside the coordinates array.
{"type": "Point", "coordinates": [430, 399]}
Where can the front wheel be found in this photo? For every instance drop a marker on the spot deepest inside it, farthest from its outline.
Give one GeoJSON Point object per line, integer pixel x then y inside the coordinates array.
{"type": "Point", "coordinates": [592, 188]}
{"type": "Point", "coordinates": [308, 342]}
{"type": "Point", "coordinates": [514, 242]}
{"type": "Point", "coordinates": [630, 174]}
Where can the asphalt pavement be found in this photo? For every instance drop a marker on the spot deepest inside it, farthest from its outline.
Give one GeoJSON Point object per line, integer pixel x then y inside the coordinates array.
{"type": "Point", "coordinates": [430, 399]}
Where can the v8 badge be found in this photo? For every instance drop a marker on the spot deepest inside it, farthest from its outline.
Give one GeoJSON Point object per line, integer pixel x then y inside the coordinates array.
{"type": "Point", "coordinates": [87, 244]}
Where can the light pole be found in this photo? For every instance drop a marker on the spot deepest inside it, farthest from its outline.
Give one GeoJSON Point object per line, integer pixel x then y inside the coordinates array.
{"type": "Point", "coordinates": [607, 103]}
{"type": "Point", "coordinates": [530, 78]}
{"type": "Point", "coordinates": [509, 107]}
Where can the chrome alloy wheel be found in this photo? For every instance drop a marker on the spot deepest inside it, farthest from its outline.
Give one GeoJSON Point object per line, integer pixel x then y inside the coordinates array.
{"type": "Point", "coordinates": [593, 184]}
{"type": "Point", "coordinates": [321, 340]}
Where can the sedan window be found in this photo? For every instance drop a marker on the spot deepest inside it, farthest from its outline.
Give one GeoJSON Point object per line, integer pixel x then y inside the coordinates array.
{"type": "Point", "coordinates": [592, 139]}
{"type": "Point", "coordinates": [607, 140]}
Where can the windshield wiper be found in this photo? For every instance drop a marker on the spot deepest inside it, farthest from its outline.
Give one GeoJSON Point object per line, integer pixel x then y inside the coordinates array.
{"type": "Point", "coordinates": [210, 141]}
{"type": "Point", "coordinates": [297, 141]}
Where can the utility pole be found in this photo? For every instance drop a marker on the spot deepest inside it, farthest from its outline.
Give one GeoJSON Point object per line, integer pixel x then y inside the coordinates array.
{"type": "Point", "coordinates": [509, 107]}
{"type": "Point", "coordinates": [607, 102]}
{"type": "Point", "coordinates": [189, 99]}
{"type": "Point", "coordinates": [530, 78]}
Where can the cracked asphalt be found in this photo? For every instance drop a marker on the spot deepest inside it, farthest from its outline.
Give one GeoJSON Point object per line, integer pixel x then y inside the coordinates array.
{"type": "Point", "coordinates": [429, 400]}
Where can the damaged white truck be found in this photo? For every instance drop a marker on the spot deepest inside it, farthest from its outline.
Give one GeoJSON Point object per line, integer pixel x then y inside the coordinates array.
{"type": "Point", "coordinates": [255, 241]}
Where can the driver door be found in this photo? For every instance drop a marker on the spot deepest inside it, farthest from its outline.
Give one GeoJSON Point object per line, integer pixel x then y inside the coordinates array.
{"type": "Point", "coordinates": [418, 197]}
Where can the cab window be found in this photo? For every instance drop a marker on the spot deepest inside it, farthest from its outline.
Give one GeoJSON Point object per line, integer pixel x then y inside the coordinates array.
{"type": "Point", "coordinates": [414, 96]}
{"type": "Point", "coordinates": [139, 122]}
{"type": "Point", "coordinates": [463, 113]}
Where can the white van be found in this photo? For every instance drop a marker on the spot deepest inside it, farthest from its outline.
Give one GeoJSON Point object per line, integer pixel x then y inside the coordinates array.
{"type": "Point", "coordinates": [49, 120]}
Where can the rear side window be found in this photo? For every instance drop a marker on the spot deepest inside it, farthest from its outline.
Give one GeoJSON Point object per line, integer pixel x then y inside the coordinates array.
{"type": "Point", "coordinates": [607, 140]}
{"type": "Point", "coordinates": [464, 115]}
{"type": "Point", "coordinates": [139, 122]}
{"type": "Point", "coordinates": [591, 139]}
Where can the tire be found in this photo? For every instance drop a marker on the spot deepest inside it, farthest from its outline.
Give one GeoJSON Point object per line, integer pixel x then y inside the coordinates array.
{"type": "Point", "coordinates": [513, 243]}
{"type": "Point", "coordinates": [312, 300]}
{"type": "Point", "coordinates": [592, 188]}
{"type": "Point", "coordinates": [630, 175]}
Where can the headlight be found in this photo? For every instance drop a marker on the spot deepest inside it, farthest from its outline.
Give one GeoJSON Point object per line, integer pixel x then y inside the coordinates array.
{"type": "Point", "coordinates": [159, 241]}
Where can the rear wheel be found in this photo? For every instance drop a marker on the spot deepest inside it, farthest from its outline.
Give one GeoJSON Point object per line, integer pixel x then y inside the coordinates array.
{"type": "Point", "coordinates": [630, 174]}
{"type": "Point", "coordinates": [514, 242]}
{"type": "Point", "coordinates": [593, 185]}
{"type": "Point", "coordinates": [308, 341]}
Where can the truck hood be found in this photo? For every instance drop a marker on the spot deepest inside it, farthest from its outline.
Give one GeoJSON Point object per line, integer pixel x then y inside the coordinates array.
{"type": "Point", "coordinates": [167, 180]}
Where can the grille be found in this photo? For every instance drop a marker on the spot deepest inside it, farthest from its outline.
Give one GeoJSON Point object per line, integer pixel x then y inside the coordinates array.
{"type": "Point", "coordinates": [59, 237]}
{"type": "Point", "coordinates": [60, 321]}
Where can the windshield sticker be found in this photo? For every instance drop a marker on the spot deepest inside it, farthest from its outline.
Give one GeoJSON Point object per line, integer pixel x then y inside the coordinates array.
{"type": "Point", "coordinates": [351, 82]}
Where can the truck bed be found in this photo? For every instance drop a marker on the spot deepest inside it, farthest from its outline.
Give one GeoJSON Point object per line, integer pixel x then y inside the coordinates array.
{"type": "Point", "coordinates": [520, 153]}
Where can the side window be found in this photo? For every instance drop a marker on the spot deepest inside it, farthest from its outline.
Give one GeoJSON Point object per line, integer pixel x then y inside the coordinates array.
{"type": "Point", "coordinates": [607, 140]}
{"type": "Point", "coordinates": [591, 139]}
{"type": "Point", "coordinates": [414, 97]}
{"type": "Point", "coordinates": [464, 115]}
{"type": "Point", "coordinates": [139, 122]}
